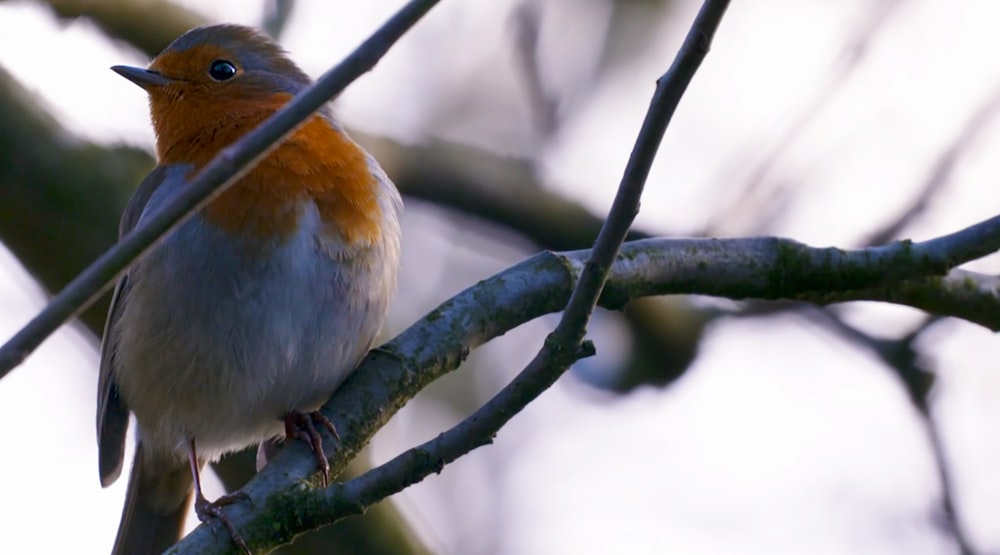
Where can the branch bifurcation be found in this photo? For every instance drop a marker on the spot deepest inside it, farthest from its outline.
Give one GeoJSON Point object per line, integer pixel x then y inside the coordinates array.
{"type": "Point", "coordinates": [754, 267]}
{"type": "Point", "coordinates": [564, 346]}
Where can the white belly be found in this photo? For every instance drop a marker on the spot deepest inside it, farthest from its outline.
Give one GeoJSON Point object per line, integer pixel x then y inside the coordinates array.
{"type": "Point", "coordinates": [219, 339]}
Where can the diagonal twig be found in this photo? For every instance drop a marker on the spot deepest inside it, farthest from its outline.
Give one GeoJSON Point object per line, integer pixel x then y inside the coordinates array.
{"type": "Point", "coordinates": [564, 346]}
{"type": "Point", "coordinates": [221, 172]}
{"type": "Point", "coordinates": [566, 343]}
{"type": "Point", "coordinates": [760, 187]}
{"type": "Point", "coordinates": [940, 174]}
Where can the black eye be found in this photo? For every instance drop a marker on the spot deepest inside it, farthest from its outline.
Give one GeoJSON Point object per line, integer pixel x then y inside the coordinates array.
{"type": "Point", "coordinates": [222, 70]}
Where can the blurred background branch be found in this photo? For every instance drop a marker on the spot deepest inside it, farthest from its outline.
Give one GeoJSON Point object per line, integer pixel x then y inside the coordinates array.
{"type": "Point", "coordinates": [61, 195]}
{"type": "Point", "coordinates": [148, 25]}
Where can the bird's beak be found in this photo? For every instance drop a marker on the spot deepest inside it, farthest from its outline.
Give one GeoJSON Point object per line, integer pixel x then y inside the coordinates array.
{"type": "Point", "coordinates": [143, 77]}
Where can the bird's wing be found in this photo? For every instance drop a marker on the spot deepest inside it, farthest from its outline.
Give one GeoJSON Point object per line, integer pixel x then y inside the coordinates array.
{"type": "Point", "coordinates": [112, 414]}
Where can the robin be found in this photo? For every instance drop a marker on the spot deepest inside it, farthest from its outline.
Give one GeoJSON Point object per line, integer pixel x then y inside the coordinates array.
{"type": "Point", "coordinates": [242, 322]}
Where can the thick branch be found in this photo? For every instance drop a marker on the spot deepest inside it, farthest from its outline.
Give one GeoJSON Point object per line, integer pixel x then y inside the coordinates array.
{"type": "Point", "coordinates": [381, 531]}
{"type": "Point", "coordinates": [438, 343]}
{"type": "Point", "coordinates": [963, 294]}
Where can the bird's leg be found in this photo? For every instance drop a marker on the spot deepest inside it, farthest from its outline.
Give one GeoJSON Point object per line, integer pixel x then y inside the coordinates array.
{"type": "Point", "coordinates": [206, 509]}
{"type": "Point", "coordinates": [303, 426]}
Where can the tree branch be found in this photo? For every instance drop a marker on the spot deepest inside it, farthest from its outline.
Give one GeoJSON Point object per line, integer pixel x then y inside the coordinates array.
{"type": "Point", "coordinates": [564, 346]}
{"type": "Point", "coordinates": [439, 342]}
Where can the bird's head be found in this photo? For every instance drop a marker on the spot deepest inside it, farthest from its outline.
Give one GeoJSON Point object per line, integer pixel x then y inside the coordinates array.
{"type": "Point", "coordinates": [218, 80]}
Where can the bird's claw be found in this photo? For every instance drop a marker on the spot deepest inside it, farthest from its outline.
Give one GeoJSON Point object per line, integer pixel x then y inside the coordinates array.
{"type": "Point", "coordinates": [303, 426]}
{"type": "Point", "coordinates": [207, 510]}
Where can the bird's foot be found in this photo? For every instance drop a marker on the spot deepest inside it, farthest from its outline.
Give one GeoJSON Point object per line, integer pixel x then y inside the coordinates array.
{"type": "Point", "coordinates": [303, 426]}
{"type": "Point", "coordinates": [207, 510]}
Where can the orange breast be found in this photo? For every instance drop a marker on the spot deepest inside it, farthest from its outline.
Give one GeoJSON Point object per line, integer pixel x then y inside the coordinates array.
{"type": "Point", "coordinates": [317, 162]}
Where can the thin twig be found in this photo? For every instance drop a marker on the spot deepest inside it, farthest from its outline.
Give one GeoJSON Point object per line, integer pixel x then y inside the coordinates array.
{"type": "Point", "coordinates": [902, 358]}
{"type": "Point", "coordinates": [221, 172]}
{"type": "Point", "coordinates": [941, 171]}
{"type": "Point", "coordinates": [950, 519]}
{"type": "Point", "coordinates": [766, 196]}
{"type": "Point", "coordinates": [562, 347]}
{"type": "Point", "coordinates": [276, 15]}
{"type": "Point", "coordinates": [544, 106]}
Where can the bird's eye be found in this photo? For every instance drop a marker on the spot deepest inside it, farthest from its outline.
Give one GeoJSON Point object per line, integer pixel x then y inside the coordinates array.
{"type": "Point", "coordinates": [222, 70]}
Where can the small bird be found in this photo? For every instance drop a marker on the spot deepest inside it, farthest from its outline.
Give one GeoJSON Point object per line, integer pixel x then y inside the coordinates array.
{"type": "Point", "coordinates": [242, 322]}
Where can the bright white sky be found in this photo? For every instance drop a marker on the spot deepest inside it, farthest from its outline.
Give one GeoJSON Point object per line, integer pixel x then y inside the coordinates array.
{"type": "Point", "coordinates": [780, 440]}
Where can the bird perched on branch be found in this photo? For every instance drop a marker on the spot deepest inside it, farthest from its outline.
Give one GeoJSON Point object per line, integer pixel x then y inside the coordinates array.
{"type": "Point", "coordinates": [245, 319]}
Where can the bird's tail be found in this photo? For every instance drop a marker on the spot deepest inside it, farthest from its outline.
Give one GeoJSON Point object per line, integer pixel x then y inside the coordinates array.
{"type": "Point", "coordinates": [155, 506]}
